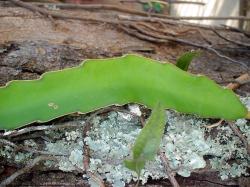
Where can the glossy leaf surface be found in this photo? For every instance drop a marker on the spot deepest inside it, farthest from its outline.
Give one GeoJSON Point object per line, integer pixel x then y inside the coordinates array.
{"type": "Point", "coordinates": [99, 83]}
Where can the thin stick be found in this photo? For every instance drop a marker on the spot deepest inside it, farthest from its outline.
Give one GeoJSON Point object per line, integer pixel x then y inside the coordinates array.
{"type": "Point", "coordinates": [238, 82]}
{"type": "Point", "coordinates": [215, 124]}
{"type": "Point", "coordinates": [125, 10]}
{"type": "Point", "coordinates": [247, 34]}
{"type": "Point", "coordinates": [57, 15]}
{"type": "Point", "coordinates": [209, 18]}
{"type": "Point", "coordinates": [167, 21]}
{"type": "Point", "coordinates": [141, 36]}
{"type": "Point", "coordinates": [240, 135]}
{"type": "Point", "coordinates": [25, 130]}
{"type": "Point", "coordinates": [232, 41]}
{"type": "Point", "coordinates": [163, 39]}
{"type": "Point", "coordinates": [169, 172]}
{"type": "Point", "coordinates": [243, 79]}
{"type": "Point", "coordinates": [86, 152]}
{"type": "Point", "coordinates": [157, 29]}
{"type": "Point", "coordinates": [46, 13]}
{"type": "Point", "coordinates": [94, 7]}
{"type": "Point", "coordinates": [28, 149]}
{"type": "Point", "coordinates": [137, 183]}
{"type": "Point", "coordinates": [165, 31]}
{"type": "Point", "coordinates": [69, 124]}
{"type": "Point", "coordinates": [227, 58]}
{"type": "Point", "coordinates": [27, 168]}
{"type": "Point", "coordinates": [167, 1]}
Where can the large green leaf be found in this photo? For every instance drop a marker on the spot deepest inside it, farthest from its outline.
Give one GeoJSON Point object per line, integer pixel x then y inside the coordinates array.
{"type": "Point", "coordinates": [148, 141]}
{"type": "Point", "coordinates": [102, 82]}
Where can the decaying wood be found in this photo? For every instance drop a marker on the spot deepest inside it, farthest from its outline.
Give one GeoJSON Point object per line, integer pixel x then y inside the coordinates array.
{"type": "Point", "coordinates": [158, 38]}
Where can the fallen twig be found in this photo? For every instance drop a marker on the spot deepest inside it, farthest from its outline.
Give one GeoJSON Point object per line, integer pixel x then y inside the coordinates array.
{"type": "Point", "coordinates": [25, 148]}
{"type": "Point", "coordinates": [167, 21]}
{"type": "Point", "coordinates": [93, 7]}
{"type": "Point", "coordinates": [86, 152]}
{"type": "Point", "coordinates": [243, 79]}
{"type": "Point", "coordinates": [141, 36]}
{"type": "Point", "coordinates": [35, 161]}
{"type": "Point", "coordinates": [172, 33]}
{"type": "Point", "coordinates": [168, 170]}
{"type": "Point", "coordinates": [232, 41]}
{"type": "Point", "coordinates": [227, 58]}
{"type": "Point", "coordinates": [209, 18]}
{"type": "Point", "coordinates": [69, 124]}
{"type": "Point", "coordinates": [240, 135]}
{"type": "Point", "coordinates": [167, 1]}
{"type": "Point", "coordinates": [48, 14]}
{"type": "Point", "coordinates": [247, 34]}
{"type": "Point", "coordinates": [233, 50]}
{"type": "Point", "coordinates": [157, 29]}
{"type": "Point", "coordinates": [155, 37]}
{"type": "Point", "coordinates": [62, 16]}
{"type": "Point", "coordinates": [215, 124]}
{"type": "Point", "coordinates": [130, 11]}
{"type": "Point", "coordinates": [238, 82]}
{"type": "Point", "coordinates": [25, 130]}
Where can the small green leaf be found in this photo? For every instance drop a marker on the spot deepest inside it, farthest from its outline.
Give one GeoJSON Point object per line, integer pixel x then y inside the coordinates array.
{"type": "Point", "coordinates": [148, 141]}
{"type": "Point", "coordinates": [157, 7]}
{"type": "Point", "coordinates": [184, 61]}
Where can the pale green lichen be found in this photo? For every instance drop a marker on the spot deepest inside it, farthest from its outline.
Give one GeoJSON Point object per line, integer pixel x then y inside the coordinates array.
{"type": "Point", "coordinates": [232, 161]}
{"type": "Point", "coordinates": [70, 146]}
{"type": "Point", "coordinates": [231, 158]}
{"type": "Point", "coordinates": [22, 157]}
{"type": "Point", "coordinates": [185, 143]}
{"type": "Point", "coordinates": [30, 143]}
{"type": "Point", "coordinates": [18, 157]}
{"type": "Point", "coordinates": [6, 152]}
{"type": "Point", "coordinates": [111, 140]}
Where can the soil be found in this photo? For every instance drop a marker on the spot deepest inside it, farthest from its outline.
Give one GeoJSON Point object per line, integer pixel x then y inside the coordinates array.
{"type": "Point", "coordinates": [31, 44]}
